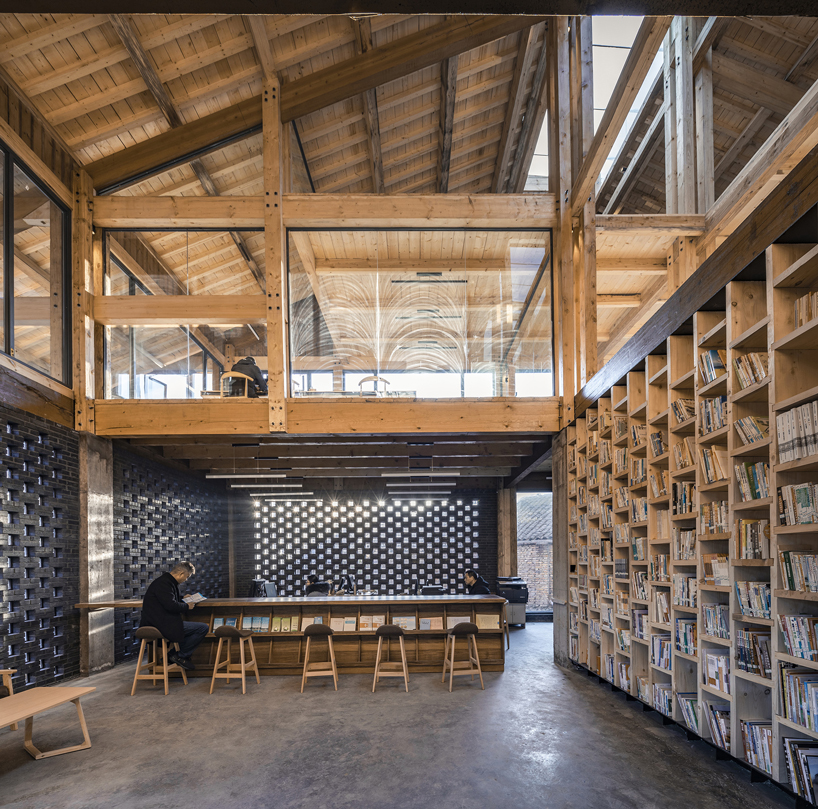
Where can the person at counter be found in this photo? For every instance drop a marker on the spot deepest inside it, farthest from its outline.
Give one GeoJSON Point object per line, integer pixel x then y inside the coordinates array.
{"type": "Point", "coordinates": [316, 587]}
{"type": "Point", "coordinates": [476, 584]}
{"type": "Point", "coordinates": [163, 608]}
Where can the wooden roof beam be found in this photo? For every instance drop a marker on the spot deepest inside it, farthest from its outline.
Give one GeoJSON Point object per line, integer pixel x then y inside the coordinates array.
{"type": "Point", "coordinates": [448, 80]}
{"type": "Point", "coordinates": [644, 49]}
{"type": "Point", "coordinates": [362, 29]}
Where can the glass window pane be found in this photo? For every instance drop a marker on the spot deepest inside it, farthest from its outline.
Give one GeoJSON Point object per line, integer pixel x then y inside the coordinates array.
{"type": "Point", "coordinates": [38, 278]}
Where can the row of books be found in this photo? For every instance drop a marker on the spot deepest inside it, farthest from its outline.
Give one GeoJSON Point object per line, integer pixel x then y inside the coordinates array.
{"type": "Point", "coordinates": [620, 426]}
{"type": "Point", "coordinates": [661, 609]}
{"type": "Point", "coordinates": [714, 463]}
{"type": "Point", "coordinates": [621, 497]}
{"type": "Point", "coordinates": [639, 584]}
{"type": "Point", "coordinates": [805, 309]}
{"type": "Point", "coordinates": [621, 600]}
{"type": "Point", "coordinates": [799, 692]}
{"type": "Point", "coordinates": [683, 409]}
{"type": "Point", "coordinates": [686, 635]}
{"type": "Point", "coordinates": [714, 517]}
{"type": "Point", "coordinates": [364, 623]}
{"type": "Point", "coordinates": [753, 480]}
{"type": "Point", "coordinates": [659, 567]}
{"type": "Point", "coordinates": [716, 620]}
{"type": "Point", "coordinates": [639, 624]}
{"type": "Point", "coordinates": [685, 590]}
{"type": "Point", "coordinates": [716, 670]}
{"type": "Point", "coordinates": [663, 697]}
{"type": "Point", "coordinates": [623, 639]}
{"type": "Point", "coordinates": [798, 504]}
{"type": "Point", "coordinates": [801, 757]}
{"type": "Point", "coordinates": [712, 365]}
{"type": "Point", "coordinates": [716, 569]}
{"type": "Point", "coordinates": [712, 414]}
{"type": "Point", "coordinates": [799, 571]}
{"type": "Point", "coordinates": [751, 368]}
{"type": "Point", "coordinates": [625, 677]}
{"type": "Point", "coordinates": [660, 650]}
{"type": "Point", "coordinates": [620, 568]}
{"type": "Point", "coordinates": [683, 495]}
{"type": "Point", "coordinates": [799, 635]}
{"type": "Point", "coordinates": [639, 546]}
{"type": "Point", "coordinates": [639, 434]}
{"type": "Point", "coordinates": [639, 471]}
{"type": "Point", "coordinates": [689, 706]}
{"type": "Point", "coordinates": [639, 509]}
{"type": "Point", "coordinates": [757, 739]}
{"type": "Point", "coordinates": [620, 463]}
{"type": "Point", "coordinates": [659, 482]}
{"type": "Point", "coordinates": [621, 533]}
{"type": "Point", "coordinates": [684, 452]}
{"type": "Point", "coordinates": [752, 429]}
{"type": "Point", "coordinates": [605, 452]}
{"type": "Point", "coordinates": [718, 720]}
{"type": "Point", "coordinates": [684, 544]}
{"type": "Point", "coordinates": [797, 431]}
{"type": "Point", "coordinates": [754, 598]}
{"type": "Point", "coordinates": [752, 539]}
{"type": "Point", "coordinates": [754, 652]}
{"type": "Point", "coordinates": [662, 524]}
{"type": "Point", "coordinates": [657, 443]}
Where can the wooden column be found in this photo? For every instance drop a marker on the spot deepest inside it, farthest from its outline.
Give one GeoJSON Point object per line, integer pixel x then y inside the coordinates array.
{"type": "Point", "coordinates": [683, 35]}
{"type": "Point", "coordinates": [507, 532]}
{"type": "Point", "coordinates": [589, 358]}
{"type": "Point", "coordinates": [274, 254]}
{"type": "Point", "coordinates": [102, 348]}
{"type": "Point", "coordinates": [559, 473]}
{"type": "Point", "coordinates": [82, 325]}
{"type": "Point", "coordinates": [705, 190]}
{"type": "Point", "coordinates": [671, 190]}
{"type": "Point", "coordinates": [56, 292]}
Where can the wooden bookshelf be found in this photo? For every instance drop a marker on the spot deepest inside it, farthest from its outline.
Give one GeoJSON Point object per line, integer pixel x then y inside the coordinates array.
{"type": "Point", "coordinates": [755, 313]}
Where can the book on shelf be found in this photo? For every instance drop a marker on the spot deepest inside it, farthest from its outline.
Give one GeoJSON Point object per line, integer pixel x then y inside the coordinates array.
{"type": "Point", "coordinates": [231, 622]}
{"type": "Point", "coordinates": [659, 482]}
{"type": "Point", "coordinates": [801, 758]}
{"type": "Point", "coordinates": [799, 571]}
{"type": "Point", "coordinates": [661, 608]}
{"type": "Point", "coordinates": [350, 622]}
{"type": "Point", "coordinates": [684, 544]}
{"type": "Point", "coordinates": [753, 480]}
{"type": "Point", "coordinates": [487, 621]}
{"type": "Point", "coordinates": [639, 624]}
{"type": "Point", "coordinates": [620, 426]}
{"type": "Point", "coordinates": [683, 410]}
{"type": "Point", "coordinates": [426, 623]}
{"type": "Point", "coordinates": [247, 622]}
{"type": "Point", "coordinates": [716, 620]}
{"type": "Point", "coordinates": [798, 504]}
{"type": "Point", "coordinates": [365, 623]}
{"type": "Point", "coordinates": [661, 648]}
{"type": "Point", "coordinates": [712, 414]}
{"type": "Point", "coordinates": [657, 443]}
{"type": "Point", "coordinates": [714, 464]}
{"type": "Point", "coordinates": [685, 589]}
{"type": "Point", "coordinates": [639, 434]}
{"type": "Point", "coordinates": [437, 622]}
{"type": "Point", "coordinates": [659, 567]}
{"type": "Point", "coordinates": [716, 669]}
{"type": "Point", "coordinates": [718, 720]}
{"type": "Point", "coordinates": [686, 635]}
{"type": "Point", "coordinates": [716, 567]}
{"type": "Point", "coordinates": [757, 740]}
{"type": "Point", "coordinates": [752, 539]}
{"type": "Point", "coordinates": [377, 621]}
{"type": "Point", "coordinates": [689, 706]}
{"type": "Point", "coordinates": [682, 495]}
{"type": "Point", "coordinates": [639, 509]}
{"type": "Point", "coordinates": [642, 685]}
{"type": "Point", "coordinates": [752, 429]}
{"type": "Point", "coordinates": [754, 652]}
{"type": "Point", "coordinates": [805, 309]}
{"type": "Point", "coordinates": [217, 622]}
{"type": "Point", "coordinates": [797, 431]}
{"type": "Point", "coordinates": [799, 694]}
{"type": "Point", "coordinates": [625, 677]}
{"type": "Point", "coordinates": [307, 620]}
{"type": "Point", "coordinates": [336, 624]}
{"type": "Point", "coordinates": [663, 698]}
{"type": "Point", "coordinates": [714, 517]}
{"type": "Point", "coordinates": [751, 368]}
{"type": "Point", "coordinates": [799, 635]}
{"type": "Point", "coordinates": [712, 364]}
{"type": "Point", "coordinates": [754, 598]}
{"type": "Point", "coordinates": [684, 452]}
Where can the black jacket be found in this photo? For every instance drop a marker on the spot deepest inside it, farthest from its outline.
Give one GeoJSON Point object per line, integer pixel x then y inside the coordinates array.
{"type": "Point", "coordinates": [479, 588]}
{"type": "Point", "coordinates": [163, 608]}
{"type": "Point", "coordinates": [249, 368]}
{"type": "Point", "coordinates": [320, 588]}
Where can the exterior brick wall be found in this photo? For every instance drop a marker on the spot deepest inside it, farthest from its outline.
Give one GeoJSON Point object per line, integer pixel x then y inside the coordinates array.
{"type": "Point", "coordinates": [535, 565]}
{"type": "Point", "coordinates": [39, 549]}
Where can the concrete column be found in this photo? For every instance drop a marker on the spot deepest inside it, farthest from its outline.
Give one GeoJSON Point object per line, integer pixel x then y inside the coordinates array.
{"type": "Point", "coordinates": [96, 551]}
{"type": "Point", "coordinates": [560, 560]}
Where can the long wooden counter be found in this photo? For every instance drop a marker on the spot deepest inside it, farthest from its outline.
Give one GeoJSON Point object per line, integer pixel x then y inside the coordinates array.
{"type": "Point", "coordinates": [282, 652]}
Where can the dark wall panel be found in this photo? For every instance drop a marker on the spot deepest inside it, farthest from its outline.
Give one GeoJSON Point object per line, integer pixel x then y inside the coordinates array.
{"type": "Point", "coordinates": [39, 549]}
{"type": "Point", "coordinates": [380, 543]}
{"type": "Point", "coordinates": [163, 515]}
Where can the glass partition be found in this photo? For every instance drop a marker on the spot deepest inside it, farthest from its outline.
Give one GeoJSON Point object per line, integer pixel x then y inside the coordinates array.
{"type": "Point", "coordinates": [420, 313]}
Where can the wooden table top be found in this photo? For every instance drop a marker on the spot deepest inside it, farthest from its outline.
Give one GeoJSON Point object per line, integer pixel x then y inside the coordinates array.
{"type": "Point", "coordinates": [19, 707]}
{"type": "Point", "coordinates": [283, 601]}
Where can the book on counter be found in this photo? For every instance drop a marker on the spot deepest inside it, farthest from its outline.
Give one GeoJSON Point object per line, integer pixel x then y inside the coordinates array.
{"type": "Point", "coordinates": [425, 623]}
{"type": "Point", "coordinates": [405, 622]}
{"type": "Point", "coordinates": [247, 622]}
{"type": "Point", "coordinates": [378, 620]}
{"type": "Point", "coordinates": [231, 622]}
{"type": "Point", "coordinates": [436, 623]}
{"type": "Point", "coordinates": [336, 624]}
{"type": "Point", "coordinates": [366, 623]}
{"type": "Point", "coordinates": [276, 626]}
{"type": "Point", "coordinates": [487, 621]}
{"type": "Point", "coordinates": [454, 620]}
{"type": "Point", "coordinates": [285, 623]}
{"type": "Point", "coordinates": [350, 623]}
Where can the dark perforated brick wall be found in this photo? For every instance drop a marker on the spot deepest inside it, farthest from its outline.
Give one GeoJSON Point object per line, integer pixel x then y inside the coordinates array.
{"type": "Point", "coordinates": [385, 547]}
{"type": "Point", "coordinates": [162, 515]}
{"type": "Point", "coordinates": [39, 549]}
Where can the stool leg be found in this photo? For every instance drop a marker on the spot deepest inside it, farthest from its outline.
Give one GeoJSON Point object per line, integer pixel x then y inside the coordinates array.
{"type": "Point", "coordinates": [154, 664]}
{"type": "Point", "coordinates": [451, 669]}
{"type": "Point", "coordinates": [138, 666]}
{"type": "Point", "coordinates": [334, 667]}
{"type": "Point", "coordinates": [241, 660]}
{"type": "Point", "coordinates": [377, 664]}
{"type": "Point", "coordinates": [216, 667]}
{"type": "Point", "coordinates": [165, 661]}
{"type": "Point", "coordinates": [229, 658]}
{"type": "Point", "coordinates": [477, 658]}
{"type": "Point", "coordinates": [306, 664]}
{"type": "Point", "coordinates": [445, 658]}
{"type": "Point", "coordinates": [253, 662]}
{"type": "Point", "coordinates": [181, 668]}
{"type": "Point", "coordinates": [405, 667]}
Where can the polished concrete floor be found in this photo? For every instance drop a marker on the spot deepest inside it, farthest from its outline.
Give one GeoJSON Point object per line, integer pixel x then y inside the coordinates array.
{"type": "Point", "coordinates": [537, 737]}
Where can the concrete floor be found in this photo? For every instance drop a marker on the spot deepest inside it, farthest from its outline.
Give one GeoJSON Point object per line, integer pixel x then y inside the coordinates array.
{"type": "Point", "coordinates": [538, 737]}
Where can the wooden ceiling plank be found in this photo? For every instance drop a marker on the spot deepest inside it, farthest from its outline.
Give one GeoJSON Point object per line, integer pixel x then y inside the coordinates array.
{"type": "Point", "coordinates": [47, 35]}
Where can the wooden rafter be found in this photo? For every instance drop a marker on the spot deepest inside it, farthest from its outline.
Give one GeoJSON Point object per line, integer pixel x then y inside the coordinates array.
{"type": "Point", "coordinates": [369, 98]}
{"type": "Point", "coordinates": [448, 94]}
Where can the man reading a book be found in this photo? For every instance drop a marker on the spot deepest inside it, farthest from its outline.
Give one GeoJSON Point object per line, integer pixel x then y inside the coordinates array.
{"type": "Point", "coordinates": [476, 584]}
{"type": "Point", "coordinates": [163, 608]}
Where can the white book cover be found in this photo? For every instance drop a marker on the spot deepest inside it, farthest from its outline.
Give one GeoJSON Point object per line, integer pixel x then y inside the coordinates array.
{"type": "Point", "coordinates": [247, 622]}
{"type": "Point", "coordinates": [366, 623]}
{"type": "Point", "coordinates": [305, 622]}
{"type": "Point", "coordinates": [336, 624]}
{"type": "Point", "coordinates": [378, 620]}
{"type": "Point", "coordinates": [350, 623]}
{"type": "Point", "coordinates": [454, 620]}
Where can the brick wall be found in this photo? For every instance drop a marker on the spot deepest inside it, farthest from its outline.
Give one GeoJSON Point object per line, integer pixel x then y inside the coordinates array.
{"type": "Point", "coordinates": [535, 565]}
{"type": "Point", "coordinates": [162, 515]}
{"type": "Point", "coordinates": [39, 549]}
{"type": "Point", "coordinates": [337, 542]}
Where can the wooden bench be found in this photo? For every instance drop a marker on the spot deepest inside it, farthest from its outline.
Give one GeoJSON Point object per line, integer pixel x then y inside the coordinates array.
{"type": "Point", "coordinates": [26, 705]}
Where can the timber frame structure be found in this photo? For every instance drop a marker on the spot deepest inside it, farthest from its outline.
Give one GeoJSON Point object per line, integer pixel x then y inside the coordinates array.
{"type": "Point", "coordinates": [258, 125]}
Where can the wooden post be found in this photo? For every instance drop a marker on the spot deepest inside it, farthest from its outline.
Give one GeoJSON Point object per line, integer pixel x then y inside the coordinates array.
{"type": "Point", "coordinates": [560, 547]}
{"type": "Point", "coordinates": [56, 291]}
{"type": "Point", "coordinates": [274, 258]}
{"type": "Point", "coordinates": [589, 308]}
{"type": "Point", "coordinates": [507, 532]}
{"type": "Point", "coordinates": [671, 190]}
{"type": "Point", "coordinates": [82, 326]}
{"type": "Point", "coordinates": [682, 28]}
{"type": "Point", "coordinates": [704, 135]}
{"type": "Point", "coordinates": [102, 348]}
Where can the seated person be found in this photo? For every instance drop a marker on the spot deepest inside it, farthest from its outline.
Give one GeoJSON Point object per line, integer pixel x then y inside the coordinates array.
{"type": "Point", "coordinates": [248, 367]}
{"type": "Point", "coordinates": [163, 608]}
{"type": "Point", "coordinates": [316, 587]}
{"type": "Point", "coordinates": [476, 584]}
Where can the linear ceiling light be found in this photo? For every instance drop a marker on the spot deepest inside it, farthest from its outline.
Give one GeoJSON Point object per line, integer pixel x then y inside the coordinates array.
{"type": "Point", "coordinates": [428, 483]}
{"type": "Point", "coordinates": [264, 485]}
{"type": "Point", "coordinates": [420, 473]}
{"type": "Point", "coordinates": [241, 475]}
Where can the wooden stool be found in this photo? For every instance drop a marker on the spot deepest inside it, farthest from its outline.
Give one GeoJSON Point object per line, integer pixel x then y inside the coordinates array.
{"type": "Point", "coordinates": [469, 666]}
{"type": "Point", "coordinates": [319, 669]}
{"type": "Point", "coordinates": [7, 689]}
{"type": "Point", "coordinates": [230, 633]}
{"type": "Point", "coordinates": [158, 670]}
{"type": "Point", "coordinates": [388, 669]}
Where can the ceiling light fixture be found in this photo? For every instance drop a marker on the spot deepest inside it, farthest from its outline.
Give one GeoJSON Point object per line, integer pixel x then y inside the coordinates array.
{"type": "Point", "coordinates": [241, 475]}
{"type": "Point", "coordinates": [420, 473]}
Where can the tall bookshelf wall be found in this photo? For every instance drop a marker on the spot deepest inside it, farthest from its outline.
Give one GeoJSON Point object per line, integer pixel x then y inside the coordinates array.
{"type": "Point", "coordinates": [648, 612]}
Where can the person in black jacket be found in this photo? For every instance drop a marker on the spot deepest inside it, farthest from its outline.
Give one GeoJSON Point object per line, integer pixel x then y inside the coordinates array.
{"type": "Point", "coordinates": [248, 367]}
{"type": "Point", "coordinates": [476, 585]}
{"type": "Point", "coordinates": [316, 587]}
{"type": "Point", "coordinates": [163, 608]}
